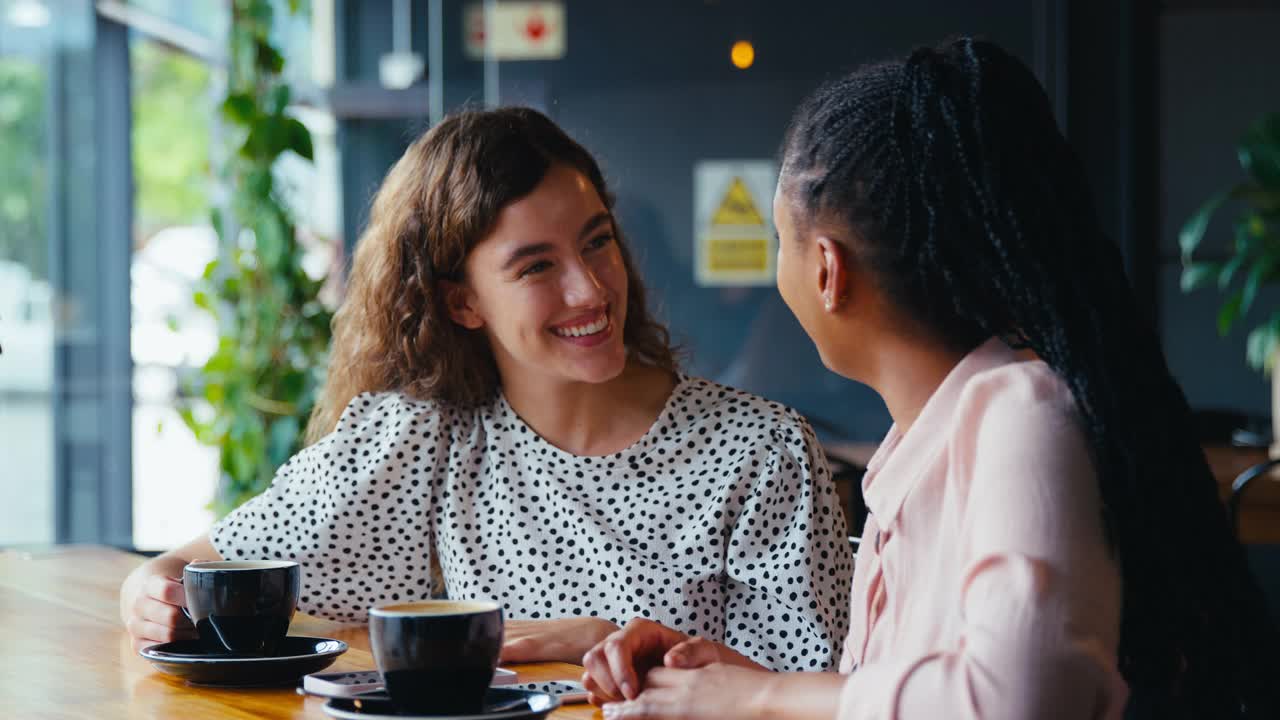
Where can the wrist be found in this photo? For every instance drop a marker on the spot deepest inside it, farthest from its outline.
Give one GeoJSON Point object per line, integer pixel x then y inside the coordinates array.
{"type": "Point", "coordinates": [593, 633]}
{"type": "Point", "coordinates": [796, 696]}
{"type": "Point", "coordinates": [132, 586]}
{"type": "Point", "coordinates": [764, 702]}
{"type": "Point", "coordinates": [600, 629]}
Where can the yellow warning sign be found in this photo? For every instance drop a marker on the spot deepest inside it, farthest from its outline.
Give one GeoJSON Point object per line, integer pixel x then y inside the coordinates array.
{"type": "Point", "coordinates": [734, 244]}
{"type": "Point", "coordinates": [737, 207]}
{"type": "Point", "coordinates": [738, 254]}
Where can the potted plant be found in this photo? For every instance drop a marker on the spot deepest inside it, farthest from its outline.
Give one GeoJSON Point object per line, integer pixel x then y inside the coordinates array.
{"type": "Point", "coordinates": [1254, 258]}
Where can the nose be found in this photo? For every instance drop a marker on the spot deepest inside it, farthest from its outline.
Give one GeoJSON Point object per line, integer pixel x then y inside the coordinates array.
{"type": "Point", "coordinates": [581, 285]}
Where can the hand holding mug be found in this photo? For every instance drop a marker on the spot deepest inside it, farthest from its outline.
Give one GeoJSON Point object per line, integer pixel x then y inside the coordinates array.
{"type": "Point", "coordinates": [154, 614]}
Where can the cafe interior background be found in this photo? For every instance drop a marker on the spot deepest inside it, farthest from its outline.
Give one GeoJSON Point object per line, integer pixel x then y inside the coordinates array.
{"type": "Point", "coordinates": [124, 419]}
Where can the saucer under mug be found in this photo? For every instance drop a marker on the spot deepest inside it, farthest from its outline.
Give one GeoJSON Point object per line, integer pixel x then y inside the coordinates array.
{"type": "Point", "coordinates": [295, 657]}
{"type": "Point", "coordinates": [498, 704]}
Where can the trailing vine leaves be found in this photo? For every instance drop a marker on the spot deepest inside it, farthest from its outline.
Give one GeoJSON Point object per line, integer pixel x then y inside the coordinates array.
{"type": "Point", "coordinates": [273, 330]}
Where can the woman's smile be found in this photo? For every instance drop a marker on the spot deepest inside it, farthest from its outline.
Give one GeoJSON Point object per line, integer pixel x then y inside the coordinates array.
{"type": "Point", "coordinates": [587, 329]}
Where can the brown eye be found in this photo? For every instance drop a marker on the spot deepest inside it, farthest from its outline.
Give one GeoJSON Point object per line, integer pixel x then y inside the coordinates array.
{"type": "Point", "coordinates": [599, 241]}
{"type": "Point", "coordinates": [540, 266]}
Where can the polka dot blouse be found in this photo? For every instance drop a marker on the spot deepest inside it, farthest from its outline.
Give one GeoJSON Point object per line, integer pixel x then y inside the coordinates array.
{"type": "Point", "coordinates": [722, 521]}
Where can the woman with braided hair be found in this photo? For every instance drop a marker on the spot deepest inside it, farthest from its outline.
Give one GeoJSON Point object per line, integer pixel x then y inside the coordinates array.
{"type": "Point", "coordinates": [1045, 537]}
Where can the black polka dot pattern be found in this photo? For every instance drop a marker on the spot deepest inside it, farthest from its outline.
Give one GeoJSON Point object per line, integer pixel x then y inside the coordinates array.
{"type": "Point", "coordinates": [722, 521]}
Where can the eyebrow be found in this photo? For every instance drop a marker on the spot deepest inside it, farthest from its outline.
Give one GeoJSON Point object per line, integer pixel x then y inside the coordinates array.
{"type": "Point", "coordinates": [596, 221]}
{"type": "Point", "coordinates": [525, 251]}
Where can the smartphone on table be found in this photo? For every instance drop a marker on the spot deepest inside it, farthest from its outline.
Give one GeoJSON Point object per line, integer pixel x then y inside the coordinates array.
{"type": "Point", "coordinates": [355, 682]}
{"type": "Point", "coordinates": [570, 692]}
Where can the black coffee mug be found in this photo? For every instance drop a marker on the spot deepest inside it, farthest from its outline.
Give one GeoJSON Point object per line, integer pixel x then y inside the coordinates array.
{"type": "Point", "coordinates": [241, 606]}
{"type": "Point", "coordinates": [437, 656]}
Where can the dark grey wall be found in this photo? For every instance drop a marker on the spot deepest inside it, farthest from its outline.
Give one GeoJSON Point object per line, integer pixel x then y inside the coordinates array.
{"type": "Point", "coordinates": [648, 87]}
{"type": "Point", "coordinates": [652, 92]}
{"type": "Point", "coordinates": [1111, 105]}
{"type": "Point", "coordinates": [1218, 74]}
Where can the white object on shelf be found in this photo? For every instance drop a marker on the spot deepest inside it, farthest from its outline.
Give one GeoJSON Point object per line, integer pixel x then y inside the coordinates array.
{"type": "Point", "coordinates": [401, 67]}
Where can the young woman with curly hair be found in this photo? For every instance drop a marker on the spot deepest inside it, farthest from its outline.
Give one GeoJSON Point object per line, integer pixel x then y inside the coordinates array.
{"type": "Point", "coordinates": [501, 401]}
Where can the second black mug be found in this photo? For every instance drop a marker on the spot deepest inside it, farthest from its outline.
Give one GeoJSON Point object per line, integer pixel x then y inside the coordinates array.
{"type": "Point", "coordinates": [437, 656]}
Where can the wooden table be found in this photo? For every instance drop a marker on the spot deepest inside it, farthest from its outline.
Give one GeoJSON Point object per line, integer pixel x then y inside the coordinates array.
{"type": "Point", "coordinates": [64, 654]}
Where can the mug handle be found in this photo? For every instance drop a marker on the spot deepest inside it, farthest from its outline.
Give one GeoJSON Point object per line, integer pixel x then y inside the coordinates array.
{"type": "Point", "coordinates": [226, 645]}
{"type": "Point", "coordinates": [183, 607]}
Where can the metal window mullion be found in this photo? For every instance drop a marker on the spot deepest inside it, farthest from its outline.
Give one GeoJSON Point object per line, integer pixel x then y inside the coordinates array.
{"type": "Point", "coordinates": [114, 170]}
{"type": "Point", "coordinates": [60, 281]}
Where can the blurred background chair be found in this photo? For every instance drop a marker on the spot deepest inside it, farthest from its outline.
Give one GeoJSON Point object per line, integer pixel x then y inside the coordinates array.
{"type": "Point", "coordinates": [1263, 557]}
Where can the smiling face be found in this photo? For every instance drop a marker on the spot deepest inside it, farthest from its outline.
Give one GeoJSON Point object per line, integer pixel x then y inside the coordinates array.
{"type": "Point", "coordinates": [548, 285]}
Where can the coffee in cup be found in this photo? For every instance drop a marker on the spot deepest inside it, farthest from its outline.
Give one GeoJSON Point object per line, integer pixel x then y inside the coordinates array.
{"type": "Point", "coordinates": [437, 656]}
{"type": "Point", "coordinates": [241, 606]}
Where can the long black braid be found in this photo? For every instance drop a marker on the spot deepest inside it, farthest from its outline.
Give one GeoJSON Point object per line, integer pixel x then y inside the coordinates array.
{"type": "Point", "coordinates": [973, 215]}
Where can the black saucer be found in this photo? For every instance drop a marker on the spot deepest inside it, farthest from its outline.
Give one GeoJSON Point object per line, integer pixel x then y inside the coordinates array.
{"type": "Point", "coordinates": [500, 704]}
{"type": "Point", "coordinates": [296, 656]}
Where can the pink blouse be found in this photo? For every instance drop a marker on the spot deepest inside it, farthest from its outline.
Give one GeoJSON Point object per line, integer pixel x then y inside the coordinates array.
{"type": "Point", "coordinates": [983, 587]}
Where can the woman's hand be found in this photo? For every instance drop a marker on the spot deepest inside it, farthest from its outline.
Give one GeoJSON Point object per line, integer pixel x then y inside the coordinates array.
{"type": "Point", "coordinates": [151, 607]}
{"type": "Point", "coordinates": [562, 640]}
{"type": "Point", "coordinates": [713, 691]}
{"type": "Point", "coordinates": [723, 690]}
{"type": "Point", "coordinates": [698, 652]}
{"type": "Point", "coordinates": [614, 667]}
{"type": "Point", "coordinates": [152, 597]}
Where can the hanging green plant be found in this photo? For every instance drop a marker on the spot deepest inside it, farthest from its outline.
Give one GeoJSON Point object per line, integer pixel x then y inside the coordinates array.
{"type": "Point", "coordinates": [273, 331]}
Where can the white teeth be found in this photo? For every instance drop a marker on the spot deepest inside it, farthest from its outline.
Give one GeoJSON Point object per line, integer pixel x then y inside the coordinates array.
{"type": "Point", "coordinates": [581, 330]}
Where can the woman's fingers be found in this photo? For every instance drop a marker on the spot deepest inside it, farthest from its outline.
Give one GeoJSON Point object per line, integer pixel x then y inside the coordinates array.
{"type": "Point", "coordinates": [166, 590]}
{"type": "Point", "coordinates": [145, 632]}
{"type": "Point", "coordinates": [157, 615]}
{"type": "Point", "coordinates": [619, 654]}
{"type": "Point", "coordinates": [665, 678]}
{"type": "Point", "coordinates": [598, 678]}
{"type": "Point", "coordinates": [692, 653]}
{"type": "Point", "coordinates": [617, 662]}
{"type": "Point", "coordinates": [593, 688]}
{"type": "Point", "coordinates": [651, 705]}
{"type": "Point", "coordinates": [161, 601]}
{"type": "Point", "coordinates": [162, 613]}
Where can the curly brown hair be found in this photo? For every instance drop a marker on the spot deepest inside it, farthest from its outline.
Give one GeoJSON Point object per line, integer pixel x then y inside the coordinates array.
{"type": "Point", "coordinates": [393, 331]}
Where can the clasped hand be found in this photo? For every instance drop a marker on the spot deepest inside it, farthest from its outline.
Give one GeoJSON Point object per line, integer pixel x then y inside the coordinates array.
{"type": "Point", "coordinates": [649, 671]}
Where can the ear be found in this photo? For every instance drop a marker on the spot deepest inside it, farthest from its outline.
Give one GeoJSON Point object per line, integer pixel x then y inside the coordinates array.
{"type": "Point", "coordinates": [833, 273]}
{"type": "Point", "coordinates": [461, 302]}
